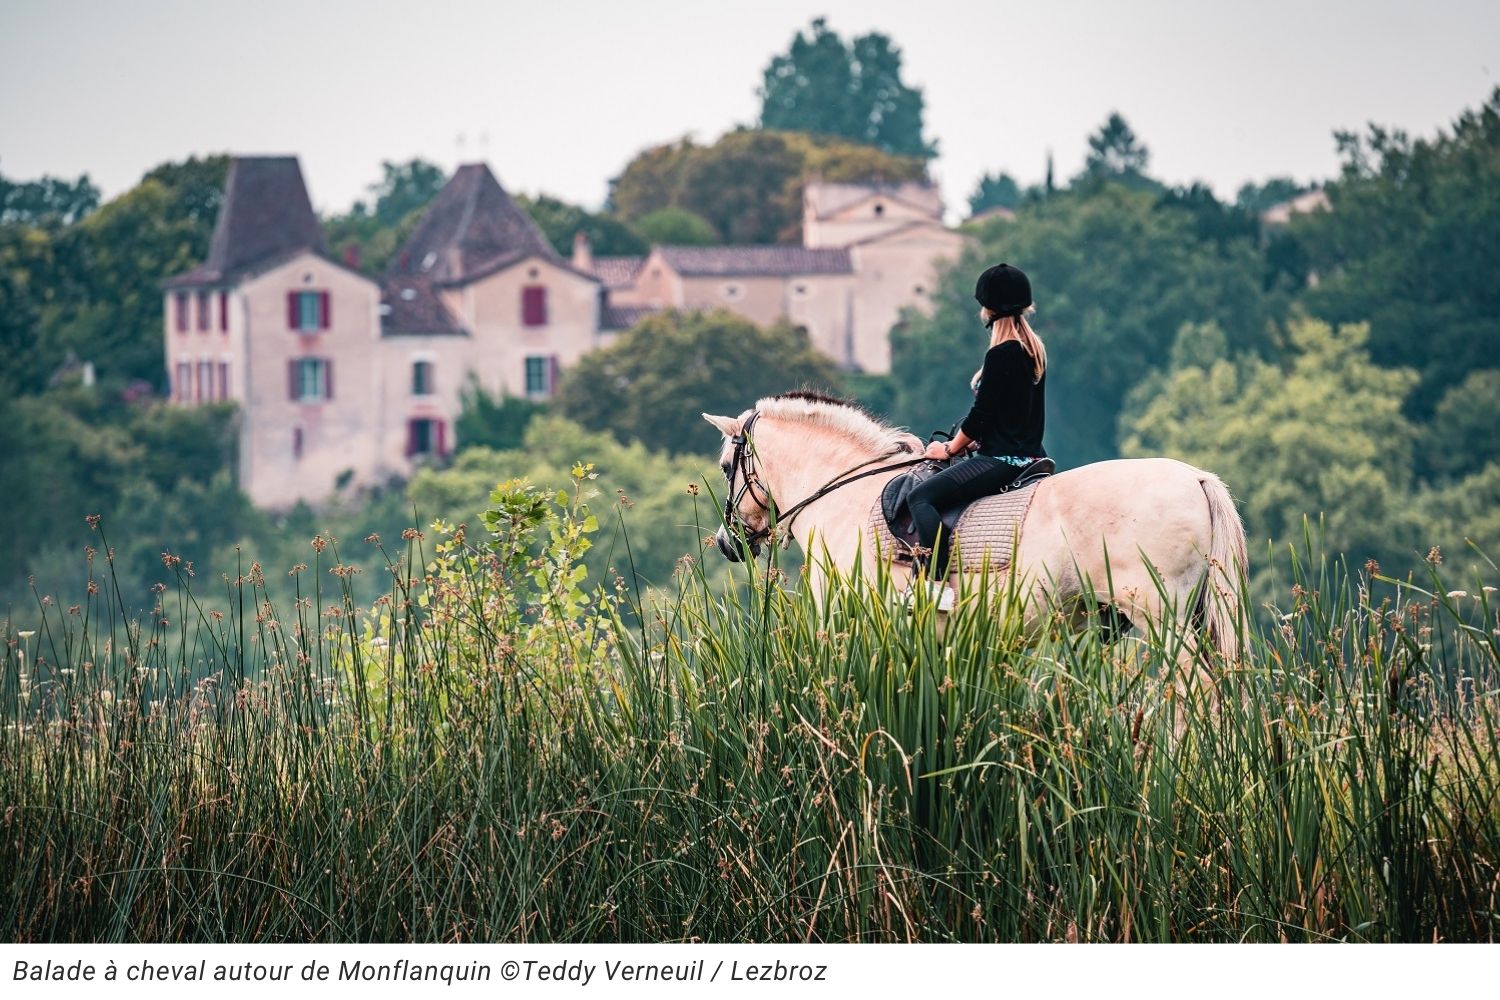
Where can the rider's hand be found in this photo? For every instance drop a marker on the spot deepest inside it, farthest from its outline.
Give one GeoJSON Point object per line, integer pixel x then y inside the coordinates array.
{"type": "Point", "coordinates": [938, 451]}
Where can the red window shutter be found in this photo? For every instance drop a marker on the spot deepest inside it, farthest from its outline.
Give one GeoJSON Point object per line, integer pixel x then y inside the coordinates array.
{"type": "Point", "coordinates": [325, 311]}
{"type": "Point", "coordinates": [291, 379]}
{"type": "Point", "coordinates": [534, 305]}
{"type": "Point", "coordinates": [291, 310]}
{"type": "Point", "coordinates": [442, 437]}
{"type": "Point", "coordinates": [328, 379]}
{"type": "Point", "coordinates": [223, 310]}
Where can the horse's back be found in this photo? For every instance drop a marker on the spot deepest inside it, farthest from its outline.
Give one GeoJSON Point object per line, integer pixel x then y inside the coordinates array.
{"type": "Point", "coordinates": [1130, 510]}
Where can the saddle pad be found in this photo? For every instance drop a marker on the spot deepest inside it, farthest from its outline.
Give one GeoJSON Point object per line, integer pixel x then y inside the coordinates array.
{"type": "Point", "coordinates": [985, 536]}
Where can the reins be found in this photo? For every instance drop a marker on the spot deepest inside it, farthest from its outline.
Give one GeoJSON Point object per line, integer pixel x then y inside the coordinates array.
{"type": "Point", "coordinates": [781, 518]}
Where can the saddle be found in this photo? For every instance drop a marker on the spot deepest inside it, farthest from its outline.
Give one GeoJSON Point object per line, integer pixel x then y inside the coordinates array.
{"type": "Point", "coordinates": [895, 513]}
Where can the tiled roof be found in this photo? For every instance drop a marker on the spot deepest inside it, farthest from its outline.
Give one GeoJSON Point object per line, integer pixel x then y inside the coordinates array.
{"type": "Point", "coordinates": [623, 317]}
{"type": "Point", "coordinates": [617, 271]}
{"type": "Point", "coordinates": [470, 227]}
{"type": "Point", "coordinates": [266, 217]}
{"type": "Point", "coordinates": [745, 261]}
{"type": "Point", "coordinates": [408, 304]}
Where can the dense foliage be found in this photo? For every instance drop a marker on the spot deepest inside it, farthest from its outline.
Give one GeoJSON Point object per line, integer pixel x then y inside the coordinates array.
{"type": "Point", "coordinates": [496, 750]}
{"type": "Point", "coordinates": [823, 85]}
{"type": "Point", "coordinates": [654, 383]}
{"type": "Point", "coordinates": [748, 185]}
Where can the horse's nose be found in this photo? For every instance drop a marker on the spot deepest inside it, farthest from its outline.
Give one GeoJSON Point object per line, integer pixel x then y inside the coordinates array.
{"type": "Point", "coordinates": [730, 546]}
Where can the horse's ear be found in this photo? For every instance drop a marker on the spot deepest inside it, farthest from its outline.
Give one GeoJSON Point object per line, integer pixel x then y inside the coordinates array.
{"type": "Point", "coordinates": [727, 426]}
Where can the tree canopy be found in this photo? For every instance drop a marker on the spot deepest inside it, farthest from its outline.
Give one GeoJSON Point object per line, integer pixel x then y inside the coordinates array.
{"type": "Point", "coordinates": [654, 383]}
{"type": "Point", "coordinates": [826, 86]}
{"type": "Point", "coordinates": [748, 185]}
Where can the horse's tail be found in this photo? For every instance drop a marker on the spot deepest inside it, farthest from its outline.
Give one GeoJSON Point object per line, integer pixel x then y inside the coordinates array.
{"type": "Point", "coordinates": [1219, 598]}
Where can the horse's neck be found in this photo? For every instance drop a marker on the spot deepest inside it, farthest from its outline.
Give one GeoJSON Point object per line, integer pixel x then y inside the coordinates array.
{"type": "Point", "coordinates": [839, 517]}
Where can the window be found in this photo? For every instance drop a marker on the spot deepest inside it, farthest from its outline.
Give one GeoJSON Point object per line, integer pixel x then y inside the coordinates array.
{"type": "Point", "coordinates": [541, 376]}
{"type": "Point", "coordinates": [534, 305]}
{"type": "Point", "coordinates": [205, 381]}
{"type": "Point", "coordinates": [223, 379]}
{"type": "Point", "coordinates": [425, 436]}
{"type": "Point", "coordinates": [182, 385]}
{"type": "Point", "coordinates": [310, 380]}
{"type": "Point", "coordinates": [307, 312]}
{"type": "Point", "coordinates": [421, 378]}
{"type": "Point", "coordinates": [182, 311]}
{"type": "Point", "coordinates": [203, 310]}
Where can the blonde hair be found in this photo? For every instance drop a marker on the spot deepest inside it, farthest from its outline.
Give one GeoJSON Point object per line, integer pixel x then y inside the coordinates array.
{"type": "Point", "coordinates": [1030, 342]}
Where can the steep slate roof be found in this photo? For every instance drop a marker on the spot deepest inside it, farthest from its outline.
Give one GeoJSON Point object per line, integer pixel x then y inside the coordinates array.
{"type": "Point", "coordinates": [409, 304]}
{"type": "Point", "coordinates": [743, 261]}
{"type": "Point", "coordinates": [827, 198]}
{"type": "Point", "coordinates": [472, 228]}
{"type": "Point", "coordinates": [615, 272]}
{"type": "Point", "coordinates": [266, 217]}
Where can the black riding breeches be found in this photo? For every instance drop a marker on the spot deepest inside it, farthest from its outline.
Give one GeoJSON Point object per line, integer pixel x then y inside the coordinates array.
{"type": "Point", "coordinates": [974, 477]}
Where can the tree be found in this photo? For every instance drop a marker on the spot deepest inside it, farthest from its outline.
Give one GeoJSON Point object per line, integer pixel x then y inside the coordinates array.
{"type": "Point", "coordinates": [824, 86]}
{"type": "Point", "coordinates": [376, 229]}
{"type": "Point", "coordinates": [1464, 433]}
{"type": "Point", "coordinates": [995, 191]}
{"type": "Point", "coordinates": [1409, 245]}
{"type": "Point", "coordinates": [490, 420]}
{"type": "Point", "coordinates": [48, 203]}
{"type": "Point", "coordinates": [654, 382]}
{"type": "Point", "coordinates": [1115, 275]}
{"type": "Point", "coordinates": [1115, 155]}
{"type": "Point", "coordinates": [1320, 434]}
{"type": "Point", "coordinates": [560, 222]}
{"type": "Point", "coordinates": [1257, 198]}
{"type": "Point", "coordinates": [748, 185]}
{"type": "Point", "coordinates": [676, 227]}
{"type": "Point", "coordinates": [745, 186]}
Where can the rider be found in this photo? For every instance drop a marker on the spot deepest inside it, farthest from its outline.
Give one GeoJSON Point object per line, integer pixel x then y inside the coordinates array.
{"type": "Point", "coordinates": [1002, 432]}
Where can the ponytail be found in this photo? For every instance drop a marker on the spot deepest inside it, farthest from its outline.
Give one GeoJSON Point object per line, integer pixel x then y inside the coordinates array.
{"type": "Point", "coordinates": [1030, 342]}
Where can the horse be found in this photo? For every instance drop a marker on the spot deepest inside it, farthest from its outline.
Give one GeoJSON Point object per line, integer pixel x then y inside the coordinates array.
{"type": "Point", "coordinates": [1153, 539]}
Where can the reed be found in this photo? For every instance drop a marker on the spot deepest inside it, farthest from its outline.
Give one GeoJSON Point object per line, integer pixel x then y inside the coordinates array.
{"type": "Point", "coordinates": [501, 749]}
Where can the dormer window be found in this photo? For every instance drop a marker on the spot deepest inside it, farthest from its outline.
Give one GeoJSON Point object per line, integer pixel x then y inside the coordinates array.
{"type": "Point", "coordinates": [421, 378]}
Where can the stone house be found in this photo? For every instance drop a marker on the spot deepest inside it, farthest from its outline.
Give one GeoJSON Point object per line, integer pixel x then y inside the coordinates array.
{"type": "Point", "coordinates": [345, 381]}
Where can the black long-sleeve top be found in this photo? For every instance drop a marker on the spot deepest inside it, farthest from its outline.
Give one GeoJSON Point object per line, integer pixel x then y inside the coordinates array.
{"type": "Point", "coordinates": [1008, 415]}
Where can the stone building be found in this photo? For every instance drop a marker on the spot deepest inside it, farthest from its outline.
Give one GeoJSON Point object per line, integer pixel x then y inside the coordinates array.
{"type": "Point", "coordinates": [344, 381]}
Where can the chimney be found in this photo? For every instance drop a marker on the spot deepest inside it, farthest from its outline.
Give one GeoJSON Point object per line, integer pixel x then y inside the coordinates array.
{"type": "Point", "coordinates": [351, 256]}
{"type": "Point", "coordinates": [583, 254]}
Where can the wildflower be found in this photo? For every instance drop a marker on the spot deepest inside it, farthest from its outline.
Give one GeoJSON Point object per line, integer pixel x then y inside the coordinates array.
{"type": "Point", "coordinates": [692, 489]}
{"type": "Point", "coordinates": [319, 543]}
{"type": "Point", "coordinates": [1458, 594]}
{"type": "Point", "coordinates": [1372, 567]}
{"type": "Point", "coordinates": [411, 533]}
{"type": "Point", "coordinates": [93, 521]}
{"type": "Point", "coordinates": [1488, 589]}
{"type": "Point", "coordinates": [373, 538]}
{"type": "Point", "coordinates": [26, 633]}
{"type": "Point", "coordinates": [1435, 556]}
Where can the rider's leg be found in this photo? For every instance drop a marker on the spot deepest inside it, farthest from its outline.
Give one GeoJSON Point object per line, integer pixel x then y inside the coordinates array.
{"type": "Point", "coordinates": [970, 479]}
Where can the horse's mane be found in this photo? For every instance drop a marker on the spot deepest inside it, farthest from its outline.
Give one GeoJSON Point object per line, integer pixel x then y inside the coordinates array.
{"type": "Point", "coordinates": [816, 409]}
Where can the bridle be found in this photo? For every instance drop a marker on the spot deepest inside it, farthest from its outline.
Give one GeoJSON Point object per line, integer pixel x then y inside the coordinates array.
{"type": "Point", "coordinates": [742, 468]}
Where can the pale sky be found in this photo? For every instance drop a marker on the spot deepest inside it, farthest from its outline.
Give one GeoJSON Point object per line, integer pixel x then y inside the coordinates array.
{"type": "Point", "coordinates": [558, 95]}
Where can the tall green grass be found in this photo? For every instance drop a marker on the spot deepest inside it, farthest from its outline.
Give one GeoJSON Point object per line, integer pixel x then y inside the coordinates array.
{"type": "Point", "coordinates": [500, 749]}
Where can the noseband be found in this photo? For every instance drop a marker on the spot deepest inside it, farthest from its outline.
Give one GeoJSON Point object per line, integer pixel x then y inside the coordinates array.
{"type": "Point", "coordinates": [741, 469]}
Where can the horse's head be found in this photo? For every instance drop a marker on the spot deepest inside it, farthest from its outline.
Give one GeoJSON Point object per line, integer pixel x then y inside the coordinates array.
{"type": "Point", "coordinates": [746, 519]}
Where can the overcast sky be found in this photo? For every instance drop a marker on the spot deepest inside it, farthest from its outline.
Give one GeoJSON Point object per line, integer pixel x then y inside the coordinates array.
{"type": "Point", "coordinates": [557, 95]}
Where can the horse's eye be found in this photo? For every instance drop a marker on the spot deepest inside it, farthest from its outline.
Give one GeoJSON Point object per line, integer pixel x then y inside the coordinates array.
{"type": "Point", "coordinates": [724, 468]}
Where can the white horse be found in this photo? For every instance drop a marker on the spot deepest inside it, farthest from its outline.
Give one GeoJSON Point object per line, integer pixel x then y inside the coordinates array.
{"type": "Point", "coordinates": [1157, 540]}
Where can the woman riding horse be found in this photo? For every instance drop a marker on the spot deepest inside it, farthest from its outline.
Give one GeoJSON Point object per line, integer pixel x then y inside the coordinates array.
{"type": "Point", "coordinates": [1002, 433]}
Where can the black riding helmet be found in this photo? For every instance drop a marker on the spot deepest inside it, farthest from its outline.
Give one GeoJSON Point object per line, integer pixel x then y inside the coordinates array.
{"type": "Point", "coordinates": [1004, 290]}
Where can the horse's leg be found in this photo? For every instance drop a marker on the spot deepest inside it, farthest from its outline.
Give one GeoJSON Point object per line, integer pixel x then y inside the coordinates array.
{"type": "Point", "coordinates": [1163, 609]}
